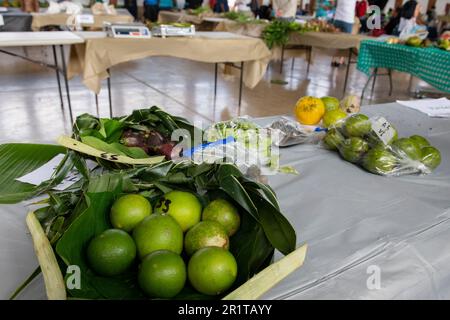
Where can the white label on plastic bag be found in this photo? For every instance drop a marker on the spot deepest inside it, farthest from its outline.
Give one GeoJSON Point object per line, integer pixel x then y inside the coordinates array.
{"type": "Point", "coordinates": [85, 19]}
{"type": "Point", "coordinates": [383, 129]}
{"type": "Point", "coordinates": [45, 173]}
{"type": "Point", "coordinates": [2, 22]}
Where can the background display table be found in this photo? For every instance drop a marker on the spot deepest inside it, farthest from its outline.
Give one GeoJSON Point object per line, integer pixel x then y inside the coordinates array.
{"type": "Point", "coordinates": [432, 65]}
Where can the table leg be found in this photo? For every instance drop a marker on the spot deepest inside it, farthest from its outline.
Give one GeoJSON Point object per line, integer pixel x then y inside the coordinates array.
{"type": "Point", "coordinates": [282, 59]}
{"type": "Point", "coordinates": [350, 53]}
{"type": "Point", "coordinates": [292, 64]}
{"type": "Point", "coordinates": [390, 82]}
{"type": "Point", "coordinates": [240, 86]}
{"type": "Point", "coordinates": [109, 93]}
{"type": "Point", "coordinates": [58, 79]}
{"type": "Point", "coordinates": [61, 47]}
{"type": "Point", "coordinates": [309, 60]}
{"type": "Point", "coordinates": [96, 105]}
{"type": "Point", "coordinates": [374, 80]}
{"type": "Point", "coordinates": [215, 79]}
{"type": "Point", "coordinates": [366, 85]}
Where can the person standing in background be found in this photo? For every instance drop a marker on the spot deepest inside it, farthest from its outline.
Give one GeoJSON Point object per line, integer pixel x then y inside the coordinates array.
{"type": "Point", "coordinates": [131, 6]}
{"type": "Point", "coordinates": [410, 21]}
{"type": "Point", "coordinates": [221, 6]}
{"type": "Point", "coordinates": [344, 20]}
{"type": "Point", "coordinates": [151, 10]}
{"type": "Point", "coordinates": [344, 17]}
{"type": "Point", "coordinates": [166, 5]}
{"type": "Point", "coordinates": [264, 9]}
{"type": "Point", "coordinates": [285, 9]}
{"type": "Point", "coordinates": [323, 8]}
{"type": "Point", "coordinates": [361, 11]}
{"type": "Point", "coordinates": [193, 4]}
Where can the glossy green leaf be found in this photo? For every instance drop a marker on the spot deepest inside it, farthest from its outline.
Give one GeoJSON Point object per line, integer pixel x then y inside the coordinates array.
{"type": "Point", "coordinates": [276, 227]}
{"type": "Point", "coordinates": [18, 159]}
{"type": "Point", "coordinates": [232, 186]}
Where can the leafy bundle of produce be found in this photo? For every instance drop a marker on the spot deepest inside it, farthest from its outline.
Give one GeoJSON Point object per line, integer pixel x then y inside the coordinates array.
{"type": "Point", "coordinates": [240, 17]}
{"type": "Point", "coordinates": [73, 217]}
{"type": "Point", "coordinates": [200, 10]}
{"type": "Point", "coordinates": [151, 24]}
{"type": "Point", "coordinates": [374, 145]}
{"type": "Point", "coordinates": [144, 133]}
{"type": "Point", "coordinates": [277, 33]}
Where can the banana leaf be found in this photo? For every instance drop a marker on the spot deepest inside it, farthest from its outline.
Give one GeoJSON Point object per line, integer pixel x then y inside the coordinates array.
{"type": "Point", "coordinates": [16, 160]}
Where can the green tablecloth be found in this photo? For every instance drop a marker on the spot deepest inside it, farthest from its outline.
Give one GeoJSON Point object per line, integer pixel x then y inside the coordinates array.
{"type": "Point", "coordinates": [429, 64]}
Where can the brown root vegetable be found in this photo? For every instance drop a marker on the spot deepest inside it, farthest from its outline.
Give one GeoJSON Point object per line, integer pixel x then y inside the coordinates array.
{"type": "Point", "coordinates": [134, 139]}
{"type": "Point", "coordinates": [155, 139]}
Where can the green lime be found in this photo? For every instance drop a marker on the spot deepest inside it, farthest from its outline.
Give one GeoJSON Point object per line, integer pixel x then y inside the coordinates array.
{"type": "Point", "coordinates": [223, 212]}
{"type": "Point", "coordinates": [128, 211]}
{"type": "Point", "coordinates": [158, 232]}
{"type": "Point", "coordinates": [331, 103]}
{"type": "Point", "coordinates": [407, 147]}
{"type": "Point", "coordinates": [162, 274]}
{"type": "Point", "coordinates": [420, 141]}
{"type": "Point", "coordinates": [333, 139]}
{"type": "Point", "coordinates": [380, 160]}
{"type": "Point", "coordinates": [212, 270]}
{"type": "Point", "coordinates": [330, 118]}
{"type": "Point", "coordinates": [183, 206]}
{"type": "Point", "coordinates": [353, 149]}
{"type": "Point", "coordinates": [205, 234]}
{"type": "Point", "coordinates": [111, 253]}
{"type": "Point", "coordinates": [357, 125]}
{"type": "Point", "coordinates": [431, 157]}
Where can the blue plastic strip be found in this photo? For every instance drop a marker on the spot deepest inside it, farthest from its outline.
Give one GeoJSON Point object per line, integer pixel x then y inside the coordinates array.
{"type": "Point", "coordinates": [203, 146]}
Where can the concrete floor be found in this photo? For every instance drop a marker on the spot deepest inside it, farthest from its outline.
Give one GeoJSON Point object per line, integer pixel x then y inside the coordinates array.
{"type": "Point", "coordinates": [30, 109]}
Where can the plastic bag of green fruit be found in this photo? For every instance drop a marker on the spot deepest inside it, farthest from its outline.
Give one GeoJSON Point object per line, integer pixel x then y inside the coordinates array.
{"type": "Point", "coordinates": [244, 143]}
{"type": "Point", "coordinates": [374, 144]}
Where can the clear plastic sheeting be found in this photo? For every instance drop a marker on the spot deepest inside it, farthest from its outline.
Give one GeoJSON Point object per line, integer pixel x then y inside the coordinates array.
{"type": "Point", "coordinates": [360, 227]}
{"type": "Point", "coordinates": [290, 132]}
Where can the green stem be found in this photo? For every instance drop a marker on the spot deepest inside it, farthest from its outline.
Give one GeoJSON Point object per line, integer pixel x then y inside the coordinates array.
{"type": "Point", "coordinates": [26, 283]}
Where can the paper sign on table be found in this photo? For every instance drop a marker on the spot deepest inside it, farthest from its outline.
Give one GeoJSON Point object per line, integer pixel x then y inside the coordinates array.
{"type": "Point", "coordinates": [2, 22]}
{"type": "Point", "coordinates": [439, 108]}
{"type": "Point", "coordinates": [85, 19]}
{"type": "Point", "coordinates": [46, 171]}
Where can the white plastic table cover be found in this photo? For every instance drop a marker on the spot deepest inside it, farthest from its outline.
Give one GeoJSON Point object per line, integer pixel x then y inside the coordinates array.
{"type": "Point", "coordinates": [354, 222]}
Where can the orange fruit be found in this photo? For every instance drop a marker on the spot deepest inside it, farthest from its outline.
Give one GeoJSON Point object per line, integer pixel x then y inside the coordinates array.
{"type": "Point", "coordinates": [309, 110]}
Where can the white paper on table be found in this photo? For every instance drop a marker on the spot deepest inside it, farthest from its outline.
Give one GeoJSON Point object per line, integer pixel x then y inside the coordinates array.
{"type": "Point", "coordinates": [2, 22]}
{"type": "Point", "coordinates": [85, 19]}
{"type": "Point", "coordinates": [45, 173]}
{"type": "Point", "coordinates": [439, 108]}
